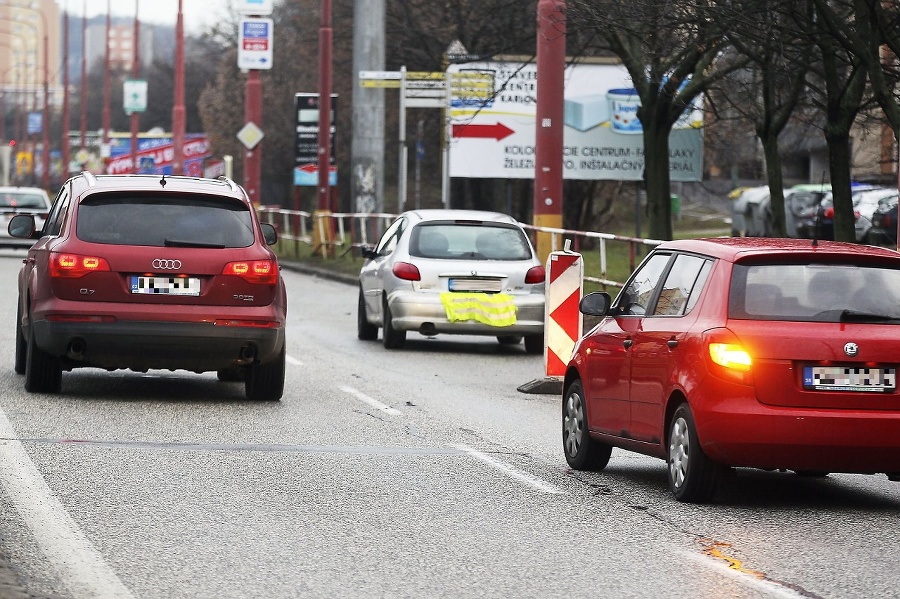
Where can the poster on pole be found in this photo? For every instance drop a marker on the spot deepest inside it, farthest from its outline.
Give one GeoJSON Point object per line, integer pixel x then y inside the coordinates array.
{"type": "Point", "coordinates": [306, 144]}
{"type": "Point", "coordinates": [494, 137]}
{"type": "Point", "coordinates": [255, 43]}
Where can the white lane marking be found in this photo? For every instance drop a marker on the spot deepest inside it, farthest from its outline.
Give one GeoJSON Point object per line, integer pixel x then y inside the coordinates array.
{"type": "Point", "coordinates": [293, 361]}
{"type": "Point", "coordinates": [372, 402]}
{"type": "Point", "coordinates": [764, 585]}
{"type": "Point", "coordinates": [78, 563]}
{"type": "Point", "coordinates": [532, 481]}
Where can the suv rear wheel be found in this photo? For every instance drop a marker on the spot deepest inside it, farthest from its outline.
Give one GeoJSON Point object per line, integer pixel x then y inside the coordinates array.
{"type": "Point", "coordinates": [265, 382]}
{"type": "Point", "coordinates": [43, 372]}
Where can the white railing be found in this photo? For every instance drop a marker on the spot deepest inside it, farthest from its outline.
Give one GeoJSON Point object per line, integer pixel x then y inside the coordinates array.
{"type": "Point", "coordinates": [329, 231]}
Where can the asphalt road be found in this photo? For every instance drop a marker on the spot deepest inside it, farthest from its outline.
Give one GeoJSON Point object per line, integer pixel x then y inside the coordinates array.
{"type": "Point", "coordinates": [422, 472]}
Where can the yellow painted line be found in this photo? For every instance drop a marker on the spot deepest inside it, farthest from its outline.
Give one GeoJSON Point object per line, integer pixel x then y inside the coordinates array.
{"type": "Point", "coordinates": [715, 549]}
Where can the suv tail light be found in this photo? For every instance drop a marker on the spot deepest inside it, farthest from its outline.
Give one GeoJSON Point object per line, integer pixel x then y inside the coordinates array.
{"type": "Point", "coordinates": [535, 274]}
{"type": "Point", "coordinates": [73, 266]}
{"type": "Point", "coordinates": [262, 272]}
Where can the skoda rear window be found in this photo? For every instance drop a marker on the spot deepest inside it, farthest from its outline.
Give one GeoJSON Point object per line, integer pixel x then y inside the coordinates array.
{"type": "Point", "coordinates": [170, 221]}
{"type": "Point", "coordinates": [461, 240]}
{"type": "Point", "coordinates": [815, 293]}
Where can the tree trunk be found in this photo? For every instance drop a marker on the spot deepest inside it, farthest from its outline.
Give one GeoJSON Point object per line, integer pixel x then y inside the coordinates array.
{"type": "Point", "coordinates": [838, 159]}
{"type": "Point", "coordinates": [776, 226]}
{"type": "Point", "coordinates": [656, 178]}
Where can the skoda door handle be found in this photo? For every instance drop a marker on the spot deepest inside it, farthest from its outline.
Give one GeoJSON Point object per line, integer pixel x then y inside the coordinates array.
{"type": "Point", "coordinates": [627, 343]}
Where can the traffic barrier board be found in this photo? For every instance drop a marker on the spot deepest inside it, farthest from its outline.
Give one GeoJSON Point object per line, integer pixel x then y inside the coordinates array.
{"type": "Point", "coordinates": [563, 322]}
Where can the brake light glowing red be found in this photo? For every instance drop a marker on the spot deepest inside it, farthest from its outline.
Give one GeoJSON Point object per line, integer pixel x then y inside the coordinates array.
{"type": "Point", "coordinates": [406, 271]}
{"type": "Point", "coordinates": [535, 274]}
{"type": "Point", "coordinates": [262, 272]}
{"type": "Point", "coordinates": [73, 266]}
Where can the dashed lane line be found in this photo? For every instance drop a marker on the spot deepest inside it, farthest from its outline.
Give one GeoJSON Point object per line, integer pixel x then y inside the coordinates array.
{"type": "Point", "coordinates": [371, 401]}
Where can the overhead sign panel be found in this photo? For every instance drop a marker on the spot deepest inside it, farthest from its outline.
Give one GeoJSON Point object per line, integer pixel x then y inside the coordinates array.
{"type": "Point", "coordinates": [255, 44]}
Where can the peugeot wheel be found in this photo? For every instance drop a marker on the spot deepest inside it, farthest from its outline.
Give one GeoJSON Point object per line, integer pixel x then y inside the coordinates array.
{"type": "Point", "coordinates": [364, 329]}
{"type": "Point", "coordinates": [534, 344]}
{"type": "Point", "coordinates": [692, 475]}
{"type": "Point", "coordinates": [582, 452]}
{"type": "Point", "coordinates": [391, 337]}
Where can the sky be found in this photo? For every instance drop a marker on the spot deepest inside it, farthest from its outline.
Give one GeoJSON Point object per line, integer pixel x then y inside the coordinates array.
{"type": "Point", "coordinates": [198, 14]}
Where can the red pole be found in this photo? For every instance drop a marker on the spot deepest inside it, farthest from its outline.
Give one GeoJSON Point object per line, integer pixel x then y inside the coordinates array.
{"type": "Point", "coordinates": [253, 114]}
{"type": "Point", "coordinates": [106, 85]}
{"type": "Point", "coordinates": [84, 76]}
{"type": "Point", "coordinates": [551, 65]}
{"type": "Point", "coordinates": [178, 114]}
{"type": "Point", "coordinates": [45, 129]}
{"type": "Point", "coordinates": [325, 37]}
{"type": "Point", "coordinates": [65, 115]}
{"type": "Point", "coordinates": [135, 72]}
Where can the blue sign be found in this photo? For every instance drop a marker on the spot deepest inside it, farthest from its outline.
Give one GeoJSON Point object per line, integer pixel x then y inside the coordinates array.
{"type": "Point", "coordinates": [35, 122]}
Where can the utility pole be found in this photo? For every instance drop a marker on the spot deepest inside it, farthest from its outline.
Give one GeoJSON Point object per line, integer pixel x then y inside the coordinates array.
{"type": "Point", "coordinates": [135, 72]}
{"type": "Point", "coordinates": [64, 145]}
{"type": "Point", "coordinates": [548, 164]}
{"type": "Point", "coordinates": [323, 202]}
{"type": "Point", "coordinates": [106, 89]}
{"type": "Point", "coordinates": [178, 114]}
{"type": "Point", "coordinates": [367, 147]}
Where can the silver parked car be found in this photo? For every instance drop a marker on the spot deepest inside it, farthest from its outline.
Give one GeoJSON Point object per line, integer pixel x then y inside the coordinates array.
{"type": "Point", "coordinates": [21, 200]}
{"type": "Point", "coordinates": [463, 272]}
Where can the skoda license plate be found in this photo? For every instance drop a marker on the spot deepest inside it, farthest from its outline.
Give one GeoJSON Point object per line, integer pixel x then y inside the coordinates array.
{"type": "Point", "coordinates": [166, 285]}
{"type": "Point", "coordinates": [844, 378]}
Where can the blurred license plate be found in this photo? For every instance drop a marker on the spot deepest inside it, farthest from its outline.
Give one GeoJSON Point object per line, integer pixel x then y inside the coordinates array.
{"type": "Point", "coordinates": [463, 284]}
{"type": "Point", "coordinates": [841, 378]}
{"type": "Point", "coordinates": [166, 285]}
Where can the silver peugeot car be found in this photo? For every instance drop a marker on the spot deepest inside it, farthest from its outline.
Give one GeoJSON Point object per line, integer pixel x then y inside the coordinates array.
{"type": "Point", "coordinates": [465, 272]}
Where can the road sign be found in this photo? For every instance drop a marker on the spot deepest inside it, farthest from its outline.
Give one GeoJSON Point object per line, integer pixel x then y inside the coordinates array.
{"type": "Point", "coordinates": [257, 8]}
{"type": "Point", "coordinates": [250, 135]}
{"type": "Point", "coordinates": [35, 122]}
{"type": "Point", "coordinates": [255, 44]}
{"type": "Point", "coordinates": [134, 95]}
{"type": "Point", "coordinates": [306, 146]}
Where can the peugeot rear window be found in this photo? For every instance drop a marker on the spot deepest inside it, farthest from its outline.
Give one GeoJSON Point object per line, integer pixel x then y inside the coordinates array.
{"type": "Point", "coordinates": [815, 293]}
{"type": "Point", "coordinates": [16, 199]}
{"type": "Point", "coordinates": [460, 240]}
{"type": "Point", "coordinates": [180, 221]}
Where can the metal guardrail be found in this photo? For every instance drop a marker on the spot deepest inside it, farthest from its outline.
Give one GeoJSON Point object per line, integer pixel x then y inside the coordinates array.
{"type": "Point", "coordinates": [343, 231]}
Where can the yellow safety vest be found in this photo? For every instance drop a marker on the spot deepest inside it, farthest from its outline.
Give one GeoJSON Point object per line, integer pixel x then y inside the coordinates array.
{"type": "Point", "coordinates": [494, 309]}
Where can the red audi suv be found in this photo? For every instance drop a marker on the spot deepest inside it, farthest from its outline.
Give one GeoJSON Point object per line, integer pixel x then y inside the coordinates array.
{"type": "Point", "coordinates": [146, 272]}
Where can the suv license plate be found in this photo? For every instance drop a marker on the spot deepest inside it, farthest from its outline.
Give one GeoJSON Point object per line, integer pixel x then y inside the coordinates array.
{"type": "Point", "coordinates": [843, 378]}
{"type": "Point", "coordinates": [166, 285]}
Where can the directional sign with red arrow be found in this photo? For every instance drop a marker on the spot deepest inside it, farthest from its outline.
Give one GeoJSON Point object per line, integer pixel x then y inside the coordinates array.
{"type": "Point", "coordinates": [495, 131]}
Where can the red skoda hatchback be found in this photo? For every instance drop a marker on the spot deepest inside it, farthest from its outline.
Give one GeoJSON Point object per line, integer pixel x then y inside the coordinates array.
{"type": "Point", "coordinates": [147, 272]}
{"type": "Point", "coordinates": [742, 352]}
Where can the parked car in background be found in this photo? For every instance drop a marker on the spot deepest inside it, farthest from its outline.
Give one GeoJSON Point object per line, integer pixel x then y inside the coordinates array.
{"type": "Point", "coordinates": [752, 210]}
{"type": "Point", "coordinates": [742, 352]}
{"type": "Point", "coordinates": [463, 272]}
{"type": "Point", "coordinates": [145, 272]}
{"type": "Point", "coordinates": [21, 200]}
{"type": "Point", "coordinates": [884, 224]}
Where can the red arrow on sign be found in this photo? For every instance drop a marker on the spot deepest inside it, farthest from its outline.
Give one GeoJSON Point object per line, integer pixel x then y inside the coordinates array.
{"type": "Point", "coordinates": [496, 131]}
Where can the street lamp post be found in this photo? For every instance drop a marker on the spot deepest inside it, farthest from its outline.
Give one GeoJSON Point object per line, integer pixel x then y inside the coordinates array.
{"type": "Point", "coordinates": [84, 76]}
{"type": "Point", "coordinates": [135, 71]}
{"type": "Point", "coordinates": [65, 115]}
{"type": "Point", "coordinates": [107, 92]}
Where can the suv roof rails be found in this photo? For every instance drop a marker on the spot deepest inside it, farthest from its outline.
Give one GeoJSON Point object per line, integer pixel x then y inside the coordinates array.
{"type": "Point", "coordinates": [90, 178]}
{"type": "Point", "coordinates": [231, 184]}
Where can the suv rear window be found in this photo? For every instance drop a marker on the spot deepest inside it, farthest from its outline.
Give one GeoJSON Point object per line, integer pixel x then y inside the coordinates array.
{"type": "Point", "coordinates": [469, 241]}
{"type": "Point", "coordinates": [815, 293]}
{"type": "Point", "coordinates": [185, 221]}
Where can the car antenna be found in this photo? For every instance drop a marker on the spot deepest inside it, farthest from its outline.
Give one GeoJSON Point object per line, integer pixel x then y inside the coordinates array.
{"type": "Point", "coordinates": [163, 180]}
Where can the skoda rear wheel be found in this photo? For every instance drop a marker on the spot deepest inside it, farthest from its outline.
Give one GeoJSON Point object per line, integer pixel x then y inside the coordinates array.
{"type": "Point", "coordinates": [265, 382]}
{"type": "Point", "coordinates": [365, 330]}
{"type": "Point", "coordinates": [692, 475]}
{"type": "Point", "coordinates": [582, 451]}
{"type": "Point", "coordinates": [391, 338]}
{"type": "Point", "coordinates": [43, 372]}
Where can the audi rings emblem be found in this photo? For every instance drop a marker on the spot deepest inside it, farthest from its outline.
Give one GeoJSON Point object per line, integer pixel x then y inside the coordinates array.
{"type": "Point", "coordinates": [851, 349]}
{"type": "Point", "coordinates": [167, 264]}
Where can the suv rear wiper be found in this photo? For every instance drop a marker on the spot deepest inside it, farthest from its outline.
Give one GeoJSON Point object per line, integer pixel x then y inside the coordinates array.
{"type": "Point", "coordinates": [180, 243]}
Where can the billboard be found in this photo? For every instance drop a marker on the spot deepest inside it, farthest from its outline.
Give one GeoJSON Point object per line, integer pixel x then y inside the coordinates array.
{"type": "Point", "coordinates": [495, 137]}
{"type": "Point", "coordinates": [156, 153]}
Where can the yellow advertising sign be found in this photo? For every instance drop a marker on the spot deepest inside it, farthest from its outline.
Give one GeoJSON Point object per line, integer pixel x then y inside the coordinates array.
{"type": "Point", "coordinates": [24, 163]}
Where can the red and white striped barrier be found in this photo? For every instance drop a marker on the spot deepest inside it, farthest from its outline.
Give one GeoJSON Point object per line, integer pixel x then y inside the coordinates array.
{"type": "Point", "coordinates": [563, 321]}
